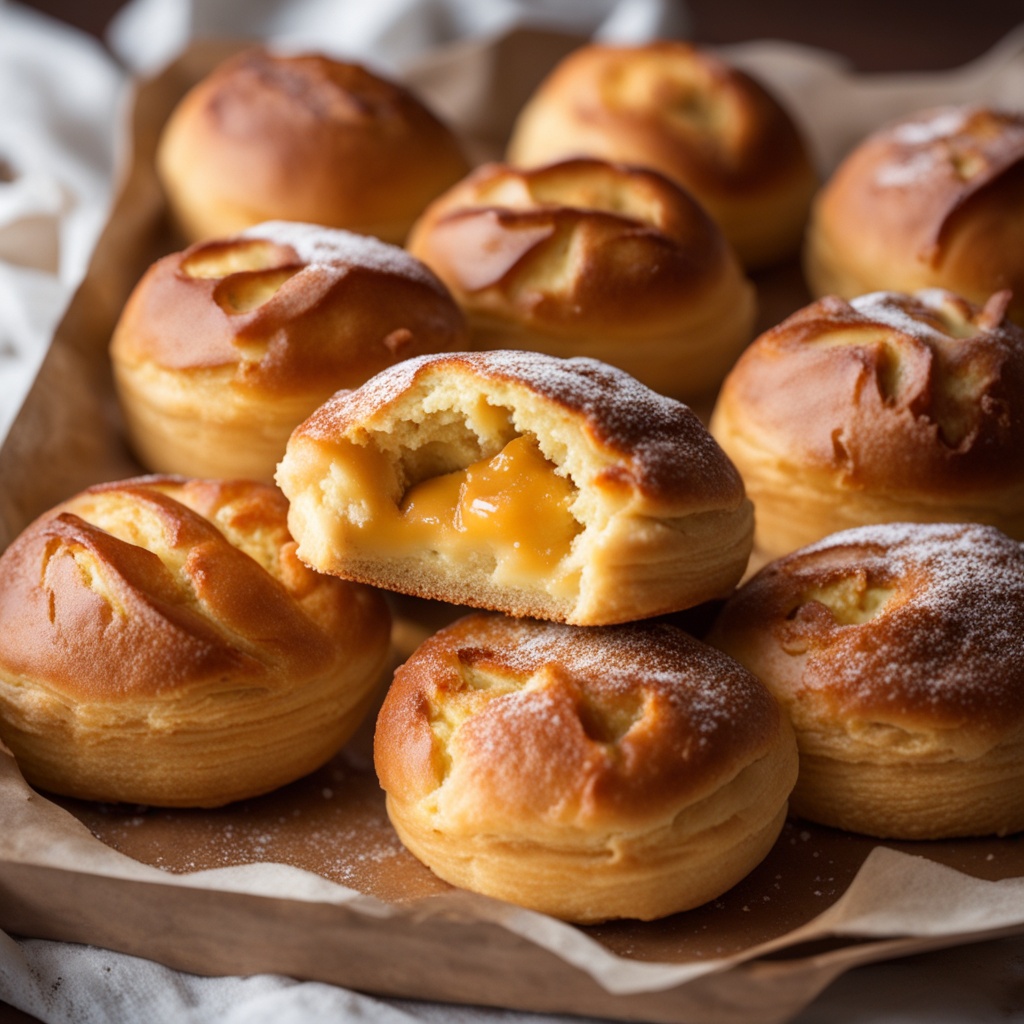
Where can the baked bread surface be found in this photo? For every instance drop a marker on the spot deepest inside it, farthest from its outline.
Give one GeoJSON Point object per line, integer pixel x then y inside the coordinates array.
{"type": "Point", "coordinates": [590, 258]}
{"type": "Point", "coordinates": [303, 137]}
{"type": "Point", "coordinates": [896, 651]}
{"type": "Point", "coordinates": [935, 199]}
{"type": "Point", "coordinates": [558, 488]}
{"type": "Point", "coordinates": [224, 348]}
{"type": "Point", "coordinates": [591, 774]}
{"type": "Point", "coordinates": [889, 407]}
{"type": "Point", "coordinates": [681, 110]}
{"type": "Point", "coordinates": [161, 643]}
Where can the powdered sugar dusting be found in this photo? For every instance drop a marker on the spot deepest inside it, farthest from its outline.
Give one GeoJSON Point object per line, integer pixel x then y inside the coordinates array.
{"type": "Point", "coordinates": [950, 642]}
{"type": "Point", "coordinates": [940, 124]}
{"type": "Point", "coordinates": [321, 247]}
{"type": "Point", "coordinates": [904, 313]}
{"type": "Point", "coordinates": [707, 688]}
{"type": "Point", "coordinates": [667, 449]}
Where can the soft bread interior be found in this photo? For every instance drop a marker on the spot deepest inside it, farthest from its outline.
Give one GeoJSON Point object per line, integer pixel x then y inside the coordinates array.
{"type": "Point", "coordinates": [565, 534]}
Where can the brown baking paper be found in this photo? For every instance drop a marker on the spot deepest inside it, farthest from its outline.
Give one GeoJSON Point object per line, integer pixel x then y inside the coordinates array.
{"type": "Point", "coordinates": [311, 881]}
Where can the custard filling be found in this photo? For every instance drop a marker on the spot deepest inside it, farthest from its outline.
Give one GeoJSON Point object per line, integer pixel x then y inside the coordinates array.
{"type": "Point", "coordinates": [512, 507]}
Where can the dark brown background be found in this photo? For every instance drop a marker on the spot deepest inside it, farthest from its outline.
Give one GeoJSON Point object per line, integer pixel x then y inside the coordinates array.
{"type": "Point", "coordinates": [876, 35]}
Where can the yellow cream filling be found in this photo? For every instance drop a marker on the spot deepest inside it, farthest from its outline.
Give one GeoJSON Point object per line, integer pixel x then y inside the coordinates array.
{"type": "Point", "coordinates": [512, 506]}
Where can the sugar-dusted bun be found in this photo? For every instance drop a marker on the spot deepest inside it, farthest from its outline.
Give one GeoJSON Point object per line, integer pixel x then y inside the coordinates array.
{"type": "Point", "coordinates": [898, 653]}
{"type": "Point", "coordinates": [891, 407]}
{"type": "Point", "coordinates": [681, 110]}
{"type": "Point", "coordinates": [161, 643]}
{"type": "Point", "coordinates": [558, 488]}
{"type": "Point", "coordinates": [933, 200]}
{"type": "Point", "coordinates": [595, 259]}
{"type": "Point", "coordinates": [306, 138]}
{"type": "Point", "coordinates": [627, 771]}
{"type": "Point", "coordinates": [223, 349]}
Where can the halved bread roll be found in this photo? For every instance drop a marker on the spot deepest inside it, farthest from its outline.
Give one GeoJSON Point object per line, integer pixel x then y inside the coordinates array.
{"type": "Point", "coordinates": [524, 483]}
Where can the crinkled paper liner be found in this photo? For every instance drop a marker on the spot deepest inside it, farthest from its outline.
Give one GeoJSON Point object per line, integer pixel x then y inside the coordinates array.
{"type": "Point", "coordinates": [311, 881]}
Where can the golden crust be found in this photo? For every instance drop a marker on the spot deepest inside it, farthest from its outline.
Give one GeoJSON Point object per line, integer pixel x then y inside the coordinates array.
{"type": "Point", "coordinates": [931, 200]}
{"type": "Point", "coordinates": [222, 349]}
{"type": "Point", "coordinates": [656, 516]}
{"type": "Point", "coordinates": [684, 112]}
{"type": "Point", "coordinates": [304, 138]}
{"type": "Point", "coordinates": [160, 642]}
{"type": "Point", "coordinates": [896, 651]}
{"type": "Point", "coordinates": [633, 761]}
{"type": "Point", "coordinates": [890, 407]}
{"type": "Point", "coordinates": [590, 258]}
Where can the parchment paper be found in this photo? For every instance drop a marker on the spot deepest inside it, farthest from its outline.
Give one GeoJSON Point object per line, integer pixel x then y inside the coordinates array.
{"type": "Point", "coordinates": [311, 881]}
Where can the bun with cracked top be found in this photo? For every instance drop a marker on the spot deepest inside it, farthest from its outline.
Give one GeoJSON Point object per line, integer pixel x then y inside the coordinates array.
{"type": "Point", "coordinates": [933, 200]}
{"type": "Point", "coordinates": [303, 137]}
{"type": "Point", "coordinates": [595, 259]}
{"type": "Point", "coordinates": [223, 349]}
{"type": "Point", "coordinates": [626, 771]}
{"type": "Point", "coordinates": [896, 650]}
{"type": "Point", "coordinates": [889, 407]}
{"type": "Point", "coordinates": [680, 110]}
{"type": "Point", "coordinates": [161, 643]}
{"type": "Point", "coordinates": [558, 488]}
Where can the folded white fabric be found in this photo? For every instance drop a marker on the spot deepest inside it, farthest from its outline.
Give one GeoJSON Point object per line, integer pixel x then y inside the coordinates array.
{"type": "Point", "coordinates": [388, 33]}
{"type": "Point", "coordinates": [58, 91]}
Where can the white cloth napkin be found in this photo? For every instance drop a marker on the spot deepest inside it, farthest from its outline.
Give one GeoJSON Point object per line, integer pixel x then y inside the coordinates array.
{"type": "Point", "coordinates": [59, 93]}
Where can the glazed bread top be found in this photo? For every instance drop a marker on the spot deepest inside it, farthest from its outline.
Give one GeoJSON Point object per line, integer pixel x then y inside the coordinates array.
{"type": "Point", "coordinates": [145, 587]}
{"type": "Point", "coordinates": [915, 626]}
{"type": "Point", "coordinates": [634, 445]}
{"type": "Point", "coordinates": [513, 721]}
{"type": "Point", "coordinates": [287, 308]}
{"type": "Point", "coordinates": [889, 391]}
{"type": "Point", "coordinates": [307, 138]}
{"type": "Point", "coordinates": [575, 248]}
{"type": "Point", "coordinates": [934, 198]}
{"type": "Point", "coordinates": [668, 105]}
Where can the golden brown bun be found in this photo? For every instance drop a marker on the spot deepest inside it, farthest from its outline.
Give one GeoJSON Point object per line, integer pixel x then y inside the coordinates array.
{"type": "Point", "coordinates": [594, 259]}
{"type": "Point", "coordinates": [223, 349]}
{"type": "Point", "coordinates": [684, 112]}
{"type": "Point", "coordinates": [898, 653]}
{"type": "Point", "coordinates": [933, 200]}
{"type": "Point", "coordinates": [515, 481]}
{"type": "Point", "coordinates": [590, 774]}
{"type": "Point", "coordinates": [306, 138]}
{"type": "Point", "coordinates": [892, 407]}
{"type": "Point", "coordinates": [161, 643]}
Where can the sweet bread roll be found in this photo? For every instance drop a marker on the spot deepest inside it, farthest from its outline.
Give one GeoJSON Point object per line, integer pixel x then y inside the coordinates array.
{"type": "Point", "coordinates": [627, 771]}
{"type": "Point", "coordinates": [519, 482]}
{"type": "Point", "coordinates": [898, 653]}
{"type": "Point", "coordinates": [933, 200]}
{"type": "Point", "coordinates": [306, 138]}
{"type": "Point", "coordinates": [160, 643]}
{"type": "Point", "coordinates": [594, 259]}
{"type": "Point", "coordinates": [890, 407]}
{"type": "Point", "coordinates": [223, 349]}
{"type": "Point", "coordinates": [682, 111]}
